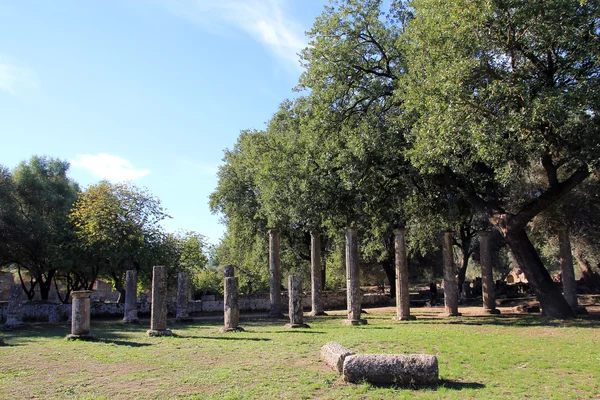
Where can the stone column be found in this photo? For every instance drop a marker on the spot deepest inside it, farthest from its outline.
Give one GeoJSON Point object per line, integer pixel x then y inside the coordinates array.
{"type": "Point", "coordinates": [566, 267]}
{"type": "Point", "coordinates": [402, 293]}
{"type": "Point", "coordinates": [450, 299]}
{"type": "Point", "coordinates": [14, 314]}
{"type": "Point", "coordinates": [274, 274]}
{"type": "Point", "coordinates": [80, 315]}
{"type": "Point", "coordinates": [315, 273]}
{"type": "Point", "coordinates": [231, 307]}
{"type": "Point", "coordinates": [295, 303]}
{"type": "Point", "coordinates": [183, 297]}
{"type": "Point", "coordinates": [158, 310]}
{"type": "Point", "coordinates": [353, 279]}
{"type": "Point", "coordinates": [488, 287]}
{"type": "Point", "coordinates": [131, 307]}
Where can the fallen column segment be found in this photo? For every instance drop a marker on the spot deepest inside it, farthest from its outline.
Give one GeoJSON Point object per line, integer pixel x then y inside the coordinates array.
{"type": "Point", "coordinates": [334, 354]}
{"type": "Point", "coordinates": [391, 369]}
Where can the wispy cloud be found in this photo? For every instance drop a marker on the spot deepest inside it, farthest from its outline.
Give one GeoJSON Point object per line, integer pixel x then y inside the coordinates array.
{"type": "Point", "coordinates": [265, 20]}
{"type": "Point", "coordinates": [14, 79]}
{"type": "Point", "coordinates": [111, 168]}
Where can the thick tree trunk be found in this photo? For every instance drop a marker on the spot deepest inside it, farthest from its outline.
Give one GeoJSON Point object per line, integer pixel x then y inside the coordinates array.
{"type": "Point", "coordinates": [119, 287]}
{"type": "Point", "coordinates": [462, 270]}
{"type": "Point", "coordinates": [551, 299]}
{"type": "Point", "coordinates": [45, 284]}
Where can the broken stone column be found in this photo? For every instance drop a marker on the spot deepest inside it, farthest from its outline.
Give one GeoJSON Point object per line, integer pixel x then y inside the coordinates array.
{"type": "Point", "coordinates": [131, 307]}
{"type": "Point", "coordinates": [80, 316]}
{"type": "Point", "coordinates": [353, 279]}
{"type": "Point", "coordinates": [402, 292]}
{"type": "Point", "coordinates": [158, 310]}
{"type": "Point", "coordinates": [183, 297]}
{"type": "Point", "coordinates": [391, 369]}
{"type": "Point", "coordinates": [334, 355]}
{"type": "Point", "coordinates": [231, 307]}
{"type": "Point", "coordinates": [274, 274]}
{"type": "Point", "coordinates": [488, 287]}
{"type": "Point", "coordinates": [14, 314]}
{"type": "Point", "coordinates": [315, 273]}
{"type": "Point", "coordinates": [566, 267]}
{"type": "Point", "coordinates": [295, 304]}
{"type": "Point", "coordinates": [450, 293]}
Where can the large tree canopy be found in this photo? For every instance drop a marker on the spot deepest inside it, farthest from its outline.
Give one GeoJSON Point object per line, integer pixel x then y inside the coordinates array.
{"type": "Point", "coordinates": [500, 87]}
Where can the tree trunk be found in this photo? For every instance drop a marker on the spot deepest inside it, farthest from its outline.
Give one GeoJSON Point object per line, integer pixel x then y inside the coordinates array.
{"type": "Point", "coordinates": [45, 284]}
{"type": "Point", "coordinates": [390, 272]}
{"type": "Point", "coordinates": [462, 270]}
{"type": "Point", "coordinates": [551, 299]}
{"type": "Point", "coordinates": [590, 277]}
{"type": "Point", "coordinates": [31, 291]}
{"type": "Point", "coordinates": [119, 287]}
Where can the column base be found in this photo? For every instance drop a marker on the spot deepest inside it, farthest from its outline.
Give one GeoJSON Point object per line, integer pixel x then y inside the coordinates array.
{"type": "Point", "coordinates": [85, 336]}
{"type": "Point", "coordinates": [293, 326]}
{"type": "Point", "coordinates": [131, 321]}
{"type": "Point", "coordinates": [162, 332]}
{"type": "Point", "coordinates": [314, 314]}
{"type": "Point", "coordinates": [491, 311]}
{"type": "Point", "coordinates": [405, 318]}
{"type": "Point", "coordinates": [184, 320]}
{"type": "Point", "coordinates": [355, 322]}
{"type": "Point", "coordinates": [236, 329]}
{"type": "Point", "coordinates": [451, 314]}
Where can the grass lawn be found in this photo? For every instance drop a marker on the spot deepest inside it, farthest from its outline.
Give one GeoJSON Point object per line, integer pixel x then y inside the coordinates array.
{"type": "Point", "coordinates": [480, 357]}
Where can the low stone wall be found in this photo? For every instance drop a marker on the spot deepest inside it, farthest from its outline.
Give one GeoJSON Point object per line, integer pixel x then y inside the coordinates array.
{"type": "Point", "coordinates": [259, 302]}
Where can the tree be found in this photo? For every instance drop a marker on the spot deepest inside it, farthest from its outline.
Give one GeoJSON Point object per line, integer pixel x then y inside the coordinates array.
{"type": "Point", "coordinates": [35, 201]}
{"type": "Point", "coordinates": [120, 225]}
{"type": "Point", "coordinates": [499, 87]}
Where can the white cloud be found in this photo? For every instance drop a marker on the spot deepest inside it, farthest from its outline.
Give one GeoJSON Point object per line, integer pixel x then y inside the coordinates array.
{"type": "Point", "coordinates": [14, 79]}
{"type": "Point", "coordinates": [111, 168]}
{"type": "Point", "coordinates": [265, 20]}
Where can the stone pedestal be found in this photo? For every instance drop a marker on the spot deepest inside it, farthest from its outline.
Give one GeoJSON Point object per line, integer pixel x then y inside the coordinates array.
{"type": "Point", "coordinates": [450, 284]}
{"type": "Point", "coordinates": [183, 298]}
{"type": "Point", "coordinates": [566, 268]}
{"type": "Point", "coordinates": [353, 279]}
{"type": "Point", "coordinates": [295, 294]}
{"type": "Point", "coordinates": [14, 314]}
{"type": "Point", "coordinates": [131, 310]}
{"type": "Point", "coordinates": [158, 310]}
{"type": "Point", "coordinates": [80, 316]}
{"type": "Point", "coordinates": [274, 275]}
{"type": "Point", "coordinates": [231, 307]}
{"type": "Point", "coordinates": [402, 292]}
{"type": "Point", "coordinates": [315, 274]}
{"type": "Point", "coordinates": [488, 287]}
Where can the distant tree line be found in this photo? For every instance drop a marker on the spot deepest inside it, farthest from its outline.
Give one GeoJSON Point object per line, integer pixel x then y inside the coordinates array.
{"type": "Point", "coordinates": [54, 235]}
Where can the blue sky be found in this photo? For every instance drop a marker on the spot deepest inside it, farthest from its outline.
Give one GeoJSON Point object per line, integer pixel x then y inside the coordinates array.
{"type": "Point", "coordinates": [150, 91]}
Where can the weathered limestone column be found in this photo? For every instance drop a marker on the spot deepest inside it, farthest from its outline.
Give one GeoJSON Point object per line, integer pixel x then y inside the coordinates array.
{"type": "Point", "coordinates": [566, 267]}
{"type": "Point", "coordinates": [158, 310]}
{"type": "Point", "coordinates": [295, 304]}
{"type": "Point", "coordinates": [315, 273]}
{"type": "Point", "coordinates": [131, 309]}
{"type": "Point", "coordinates": [274, 274]}
{"type": "Point", "coordinates": [450, 299]}
{"type": "Point", "coordinates": [14, 314]}
{"type": "Point", "coordinates": [231, 307]}
{"type": "Point", "coordinates": [183, 297]}
{"type": "Point", "coordinates": [353, 279]}
{"type": "Point", "coordinates": [402, 293]}
{"type": "Point", "coordinates": [488, 287]}
{"type": "Point", "coordinates": [80, 315]}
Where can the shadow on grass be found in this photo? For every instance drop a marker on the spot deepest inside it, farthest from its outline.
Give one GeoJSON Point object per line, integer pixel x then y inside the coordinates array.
{"type": "Point", "coordinates": [295, 330]}
{"type": "Point", "coordinates": [225, 338]}
{"type": "Point", "coordinates": [516, 320]}
{"type": "Point", "coordinates": [442, 384]}
{"type": "Point", "coordinates": [123, 342]}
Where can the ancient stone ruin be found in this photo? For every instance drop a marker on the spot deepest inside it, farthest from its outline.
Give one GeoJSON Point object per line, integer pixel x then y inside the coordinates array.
{"type": "Point", "coordinates": [231, 309]}
{"type": "Point", "coordinates": [183, 298]}
{"type": "Point", "coordinates": [14, 315]}
{"type": "Point", "coordinates": [131, 310]}
{"type": "Point", "coordinates": [295, 303]}
{"type": "Point", "coordinates": [158, 311]}
{"type": "Point", "coordinates": [80, 316]}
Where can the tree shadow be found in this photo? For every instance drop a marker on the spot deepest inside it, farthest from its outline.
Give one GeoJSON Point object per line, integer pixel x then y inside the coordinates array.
{"type": "Point", "coordinates": [225, 338]}
{"type": "Point", "coordinates": [456, 385]}
{"type": "Point", "coordinates": [517, 320]}
{"type": "Point", "coordinates": [123, 342]}
{"type": "Point", "coordinates": [295, 330]}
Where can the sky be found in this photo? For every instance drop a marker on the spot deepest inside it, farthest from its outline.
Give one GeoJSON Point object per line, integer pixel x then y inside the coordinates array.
{"type": "Point", "coordinates": [147, 91]}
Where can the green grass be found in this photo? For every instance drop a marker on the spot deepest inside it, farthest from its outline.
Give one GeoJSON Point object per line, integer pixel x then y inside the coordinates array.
{"type": "Point", "coordinates": [480, 357]}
